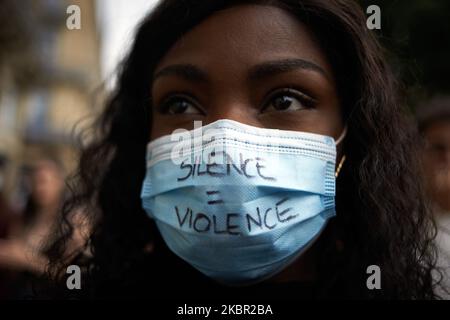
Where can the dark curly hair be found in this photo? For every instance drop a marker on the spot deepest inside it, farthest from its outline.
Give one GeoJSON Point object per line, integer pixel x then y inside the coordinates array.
{"type": "Point", "coordinates": [382, 217]}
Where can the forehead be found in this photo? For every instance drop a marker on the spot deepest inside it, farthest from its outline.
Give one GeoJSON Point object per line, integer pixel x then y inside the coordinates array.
{"type": "Point", "coordinates": [245, 35]}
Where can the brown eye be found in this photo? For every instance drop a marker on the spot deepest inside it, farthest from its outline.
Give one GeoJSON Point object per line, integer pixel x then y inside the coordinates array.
{"type": "Point", "coordinates": [179, 105]}
{"type": "Point", "coordinates": [288, 100]}
{"type": "Point", "coordinates": [284, 102]}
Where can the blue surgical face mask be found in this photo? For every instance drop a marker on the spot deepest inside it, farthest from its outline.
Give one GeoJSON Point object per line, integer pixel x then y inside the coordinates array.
{"type": "Point", "coordinates": [240, 203]}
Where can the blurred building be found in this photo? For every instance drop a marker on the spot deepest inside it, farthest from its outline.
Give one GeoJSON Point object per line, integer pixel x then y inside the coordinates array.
{"type": "Point", "coordinates": [49, 82]}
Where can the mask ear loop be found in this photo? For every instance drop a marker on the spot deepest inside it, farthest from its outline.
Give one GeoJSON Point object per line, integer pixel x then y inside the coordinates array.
{"type": "Point", "coordinates": [338, 141]}
{"type": "Point", "coordinates": [341, 163]}
{"type": "Point", "coordinates": [342, 136]}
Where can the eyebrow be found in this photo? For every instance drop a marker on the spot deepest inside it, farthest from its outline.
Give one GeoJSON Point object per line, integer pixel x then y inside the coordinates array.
{"type": "Point", "coordinates": [271, 68]}
{"type": "Point", "coordinates": [191, 72]}
{"type": "Point", "coordinates": [187, 71]}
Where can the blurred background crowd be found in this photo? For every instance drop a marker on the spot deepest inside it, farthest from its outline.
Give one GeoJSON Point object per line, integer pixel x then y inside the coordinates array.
{"type": "Point", "coordinates": [53, 81]}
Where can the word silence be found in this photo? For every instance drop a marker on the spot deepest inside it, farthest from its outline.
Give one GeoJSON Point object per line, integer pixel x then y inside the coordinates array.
{"type": "Point", "coordinates": [248, 167]}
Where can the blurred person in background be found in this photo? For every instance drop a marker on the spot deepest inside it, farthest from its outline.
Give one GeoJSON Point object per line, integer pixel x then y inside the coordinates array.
{"type": "Point", "coordinates": [21, 253]}
{"type": "Point", "coordinates": [6, 221]}
{"type": "Point", "coordinates": [434, 125]}
{"type": "Point", "coordinates": [5, 209]}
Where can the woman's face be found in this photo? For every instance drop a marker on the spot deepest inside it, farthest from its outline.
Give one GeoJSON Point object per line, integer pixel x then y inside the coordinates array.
{"type": "Point", "coordinates": [251, 63]}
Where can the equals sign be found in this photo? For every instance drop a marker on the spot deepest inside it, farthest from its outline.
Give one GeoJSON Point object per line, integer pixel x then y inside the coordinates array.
{"type": "Point", "coordinates": [212, 193]}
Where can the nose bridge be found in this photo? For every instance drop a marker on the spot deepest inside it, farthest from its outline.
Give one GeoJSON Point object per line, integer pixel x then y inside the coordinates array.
{"type": "Point", "coordinates": [230, 96]}
{"type": "Point", "coordinates": [233, 107]}
{"type": "Point", "coordinates": [232, 110]}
